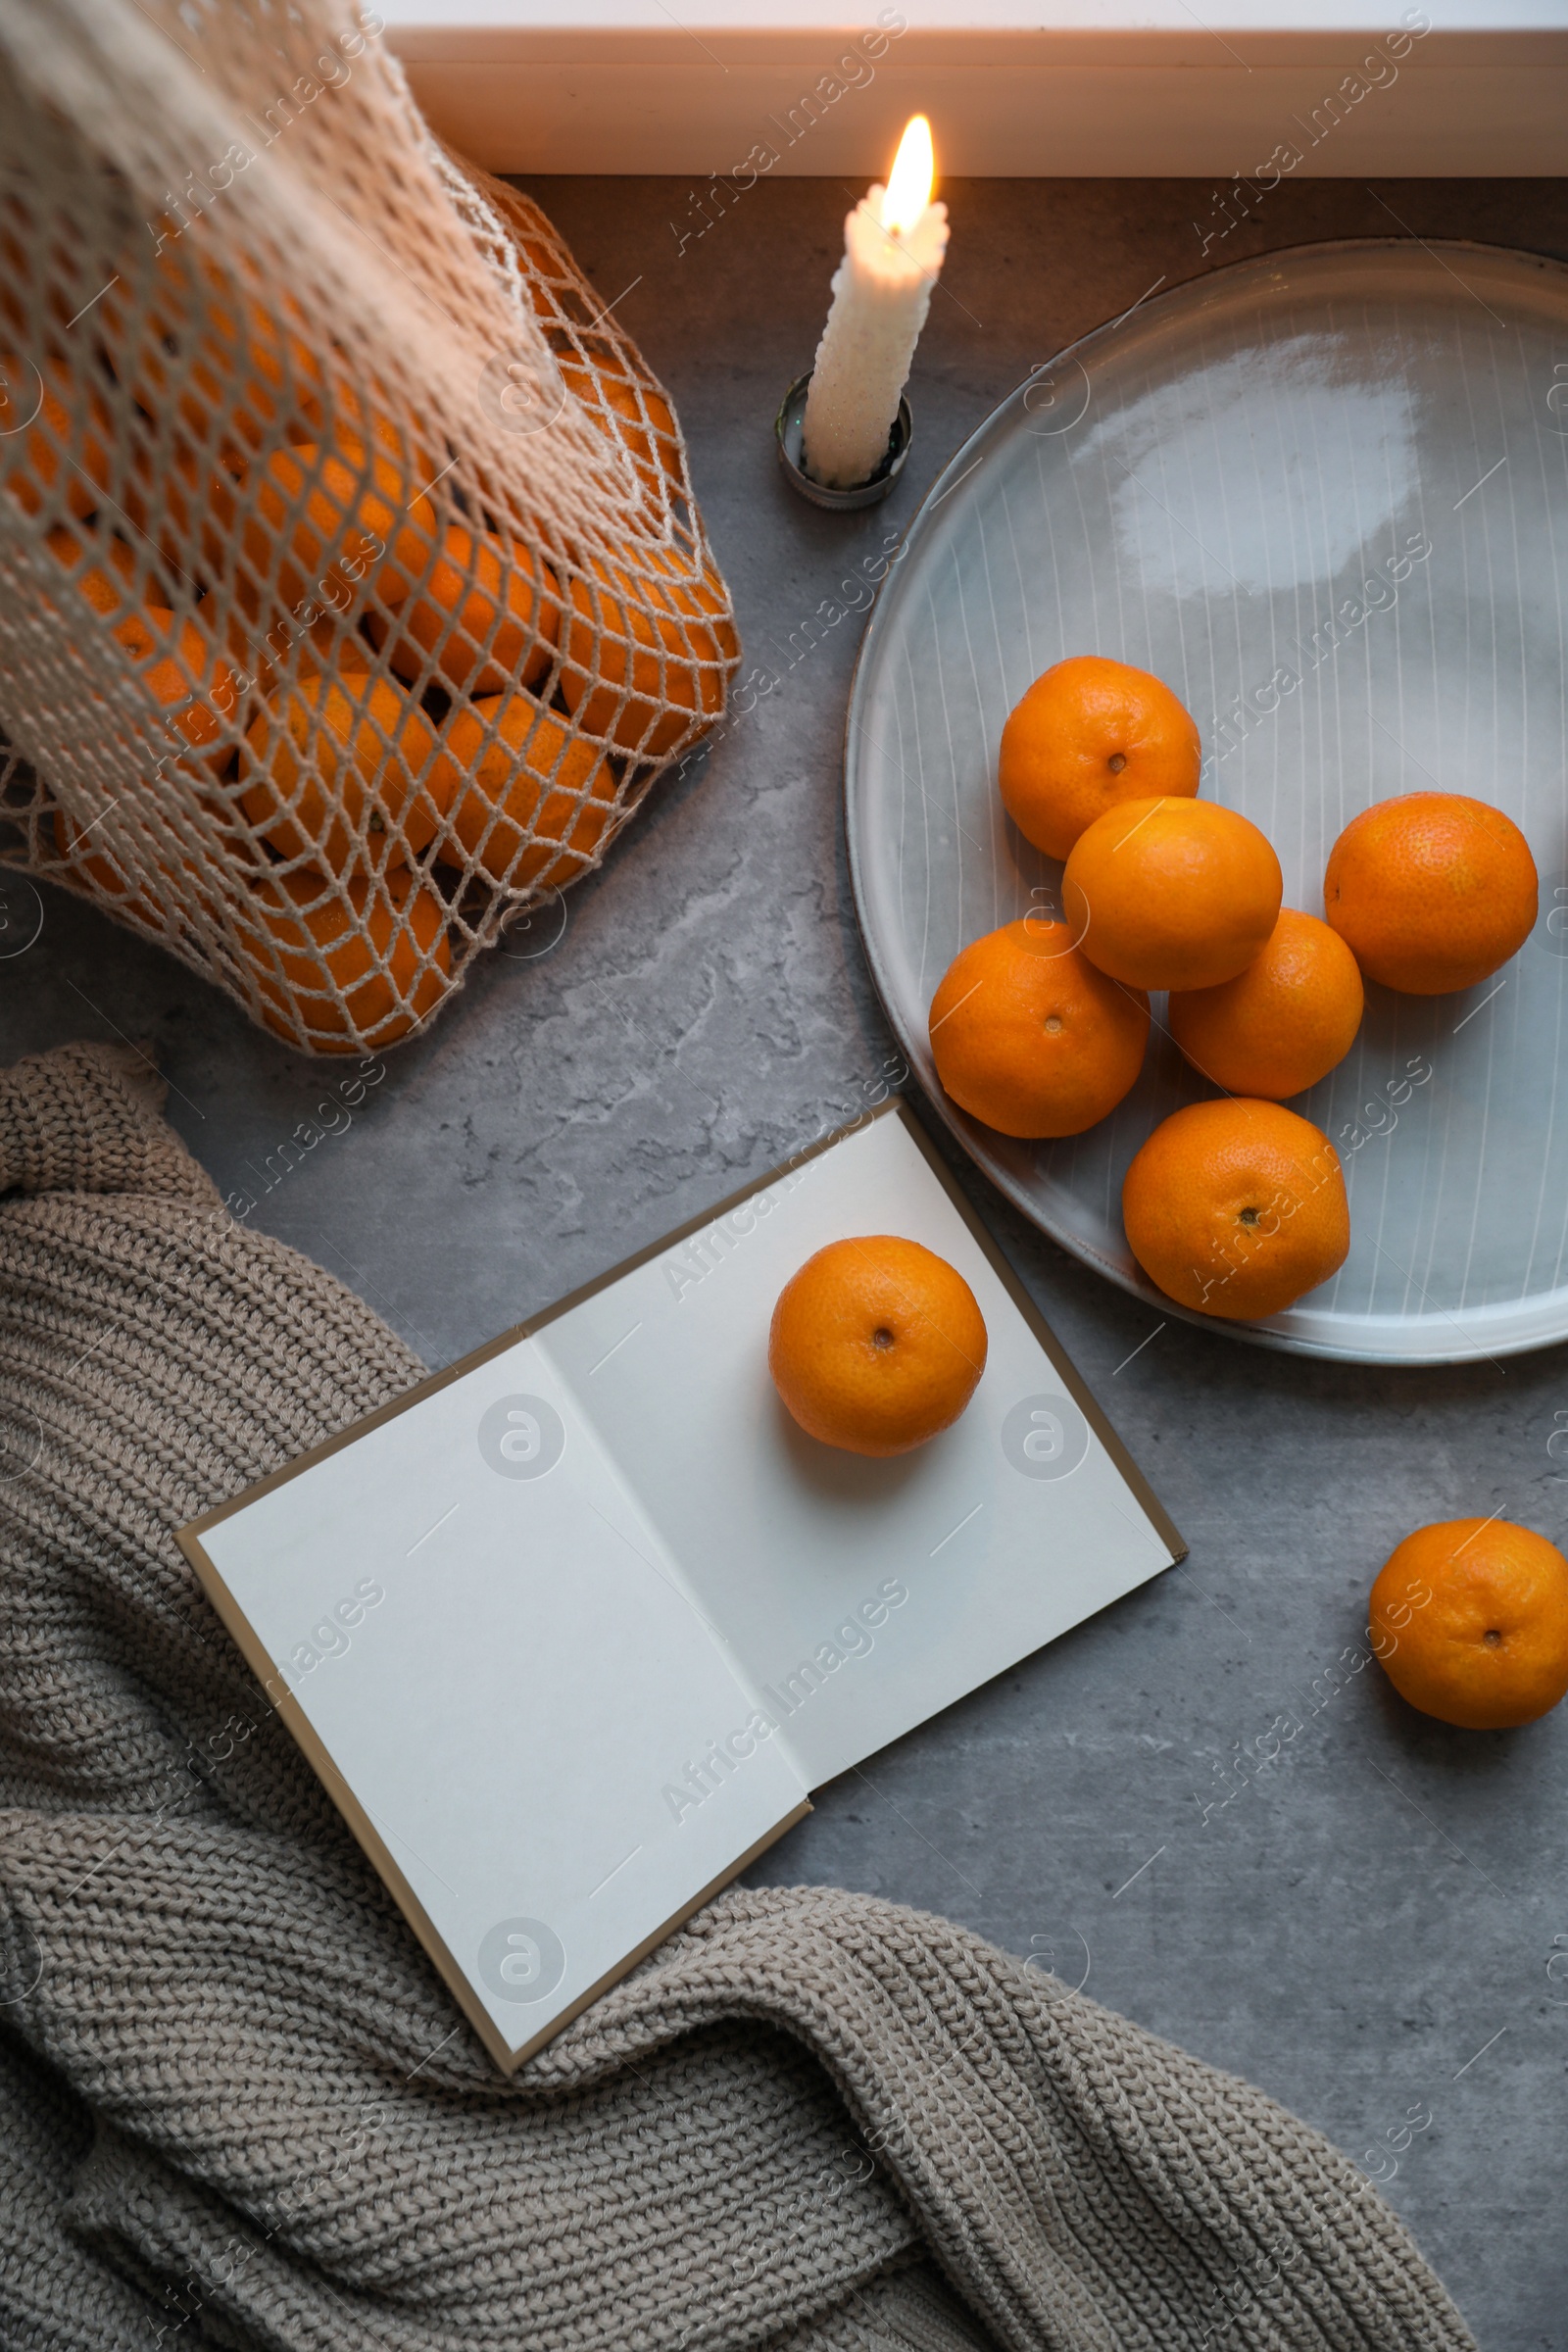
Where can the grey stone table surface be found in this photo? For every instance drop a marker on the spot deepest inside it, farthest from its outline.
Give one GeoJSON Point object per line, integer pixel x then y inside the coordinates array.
{"type": "Point", "coordinates": [1368, 1928]}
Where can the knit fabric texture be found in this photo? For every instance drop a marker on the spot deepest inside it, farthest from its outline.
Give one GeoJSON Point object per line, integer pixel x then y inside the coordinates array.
{"type": "Point", "coordinates": [239, 2109]}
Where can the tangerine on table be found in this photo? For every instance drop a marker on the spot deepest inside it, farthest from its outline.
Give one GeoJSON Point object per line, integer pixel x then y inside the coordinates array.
{"type": "Point", "coordinates": [70, 548]}
{"type": "Point", "coordinates": [99, 867]}
{"type": "Point", "coordinates": [610, 395]}
{"type": "Point", "coordinates": [536, 801]}
{"type": "Point", "coordinates": [178, 486]}
{"type": "Point", "coordinates": [36, 420]}
{"type": "Point", "coordinates": [1236, 1209]}
{"type": "Point", "coordinates": [95, 866]}
{"type": "Point", "coordinates": [334, 758]}
{"type": "Point", "coordinates": [1030, 1038]}
{"type": "Point", "coordinates": [540, 268]}
{"type": "Point", "coordinates": [1477, 1610]}
{"type": "Point", "coordinates": [877, 1345]}
{"type": "Point", "coordinates": [1284, 1022]}
{"type": "Point", "coordinates": [316, 940]}
{"type": "Point", "coordinates": [493, 632]}
{"type": "Point", "coordinates": [669, 639]}
{"type": "Point", "coordinates": [184, 673]}
{"type": "Point", "coordinates": [197, 355]}
{"type": "Point", "coordinates": [1171, 893]}
{"type": "Point", "coordinates": [1089, 734]}
{"type": "Point", "coordinates": [346, 517]}
{"type": "Point", "coordinates": [198, 502]}
{"type": "Point", "coordinates": [1431, 892]}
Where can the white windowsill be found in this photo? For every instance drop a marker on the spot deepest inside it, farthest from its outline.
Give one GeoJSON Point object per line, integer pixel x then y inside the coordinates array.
{"type": "Point", "coordinates": [1093, 88]}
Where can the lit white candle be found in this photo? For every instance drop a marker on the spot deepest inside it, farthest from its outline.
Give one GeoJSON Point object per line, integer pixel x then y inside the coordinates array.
{"type": "Point", "coordinates": [893, 244]}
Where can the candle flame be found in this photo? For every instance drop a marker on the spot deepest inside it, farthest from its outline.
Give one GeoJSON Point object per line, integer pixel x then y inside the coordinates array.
{"type": "Point", "coordinates": [909, 181]}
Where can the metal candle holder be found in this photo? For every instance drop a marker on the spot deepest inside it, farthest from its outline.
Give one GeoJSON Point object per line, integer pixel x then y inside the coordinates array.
{"type": "Point", "coordinates": [786, 428]}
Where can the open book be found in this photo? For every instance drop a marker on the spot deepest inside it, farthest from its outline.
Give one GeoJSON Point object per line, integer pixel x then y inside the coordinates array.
{"type": "Point", "coordinates": [570, 1630]}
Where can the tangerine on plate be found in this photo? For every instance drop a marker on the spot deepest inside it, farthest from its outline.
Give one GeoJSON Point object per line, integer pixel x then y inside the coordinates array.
{"type": "Point", "coordinates": [877, 1345]}
{"type": "Point", "coordinates": [330, 768]}
{"type": "Point", "coordinates": [1171, 893]}
{"type": "Point", "coordinates": [1030, 1038]}
{"type": "Point", "coordinates": [492, 633]}
{"type": "Point", "coordinates": [675, 653]}
{"type": "Point", "coordinates": [1477, 1615]}
{"type": "Point", "coordinates": [537, 800]}
{"type": "Point", "coordinates": [1089, 734]}
{"type": "Point", "coordinates": [1284, 1022]}
{"type": "Point", "coordinates": [1431, 892]}
{"type": "Point", "coordinates": [1236, 1209]}
{"type": "Point", "coordinates": [315, 938]}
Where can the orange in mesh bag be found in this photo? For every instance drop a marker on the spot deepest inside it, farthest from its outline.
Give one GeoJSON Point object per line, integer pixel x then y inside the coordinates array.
{"type": "Point", "coordinates": [352, 590]}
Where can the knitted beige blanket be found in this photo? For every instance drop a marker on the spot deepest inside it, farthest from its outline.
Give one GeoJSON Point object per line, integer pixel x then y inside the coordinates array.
{"type": "Point", "coordinates": [237, 2107]}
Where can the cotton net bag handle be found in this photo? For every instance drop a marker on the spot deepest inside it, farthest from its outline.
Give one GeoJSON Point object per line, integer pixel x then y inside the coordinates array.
{"type": "Point", "coordinates": [352, 591]}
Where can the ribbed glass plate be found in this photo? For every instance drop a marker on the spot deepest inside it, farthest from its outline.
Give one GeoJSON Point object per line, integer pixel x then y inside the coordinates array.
{"type": "Point", "coordinates": [1325, 497]}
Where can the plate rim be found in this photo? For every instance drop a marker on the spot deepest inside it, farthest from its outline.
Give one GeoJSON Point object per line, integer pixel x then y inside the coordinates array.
{"type": "Point", "coordinates": [1474, 1346]}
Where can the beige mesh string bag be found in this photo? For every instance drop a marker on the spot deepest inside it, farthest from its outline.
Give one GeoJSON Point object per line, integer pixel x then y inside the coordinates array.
{"type": "Point", "coordinates": [352, 591]}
